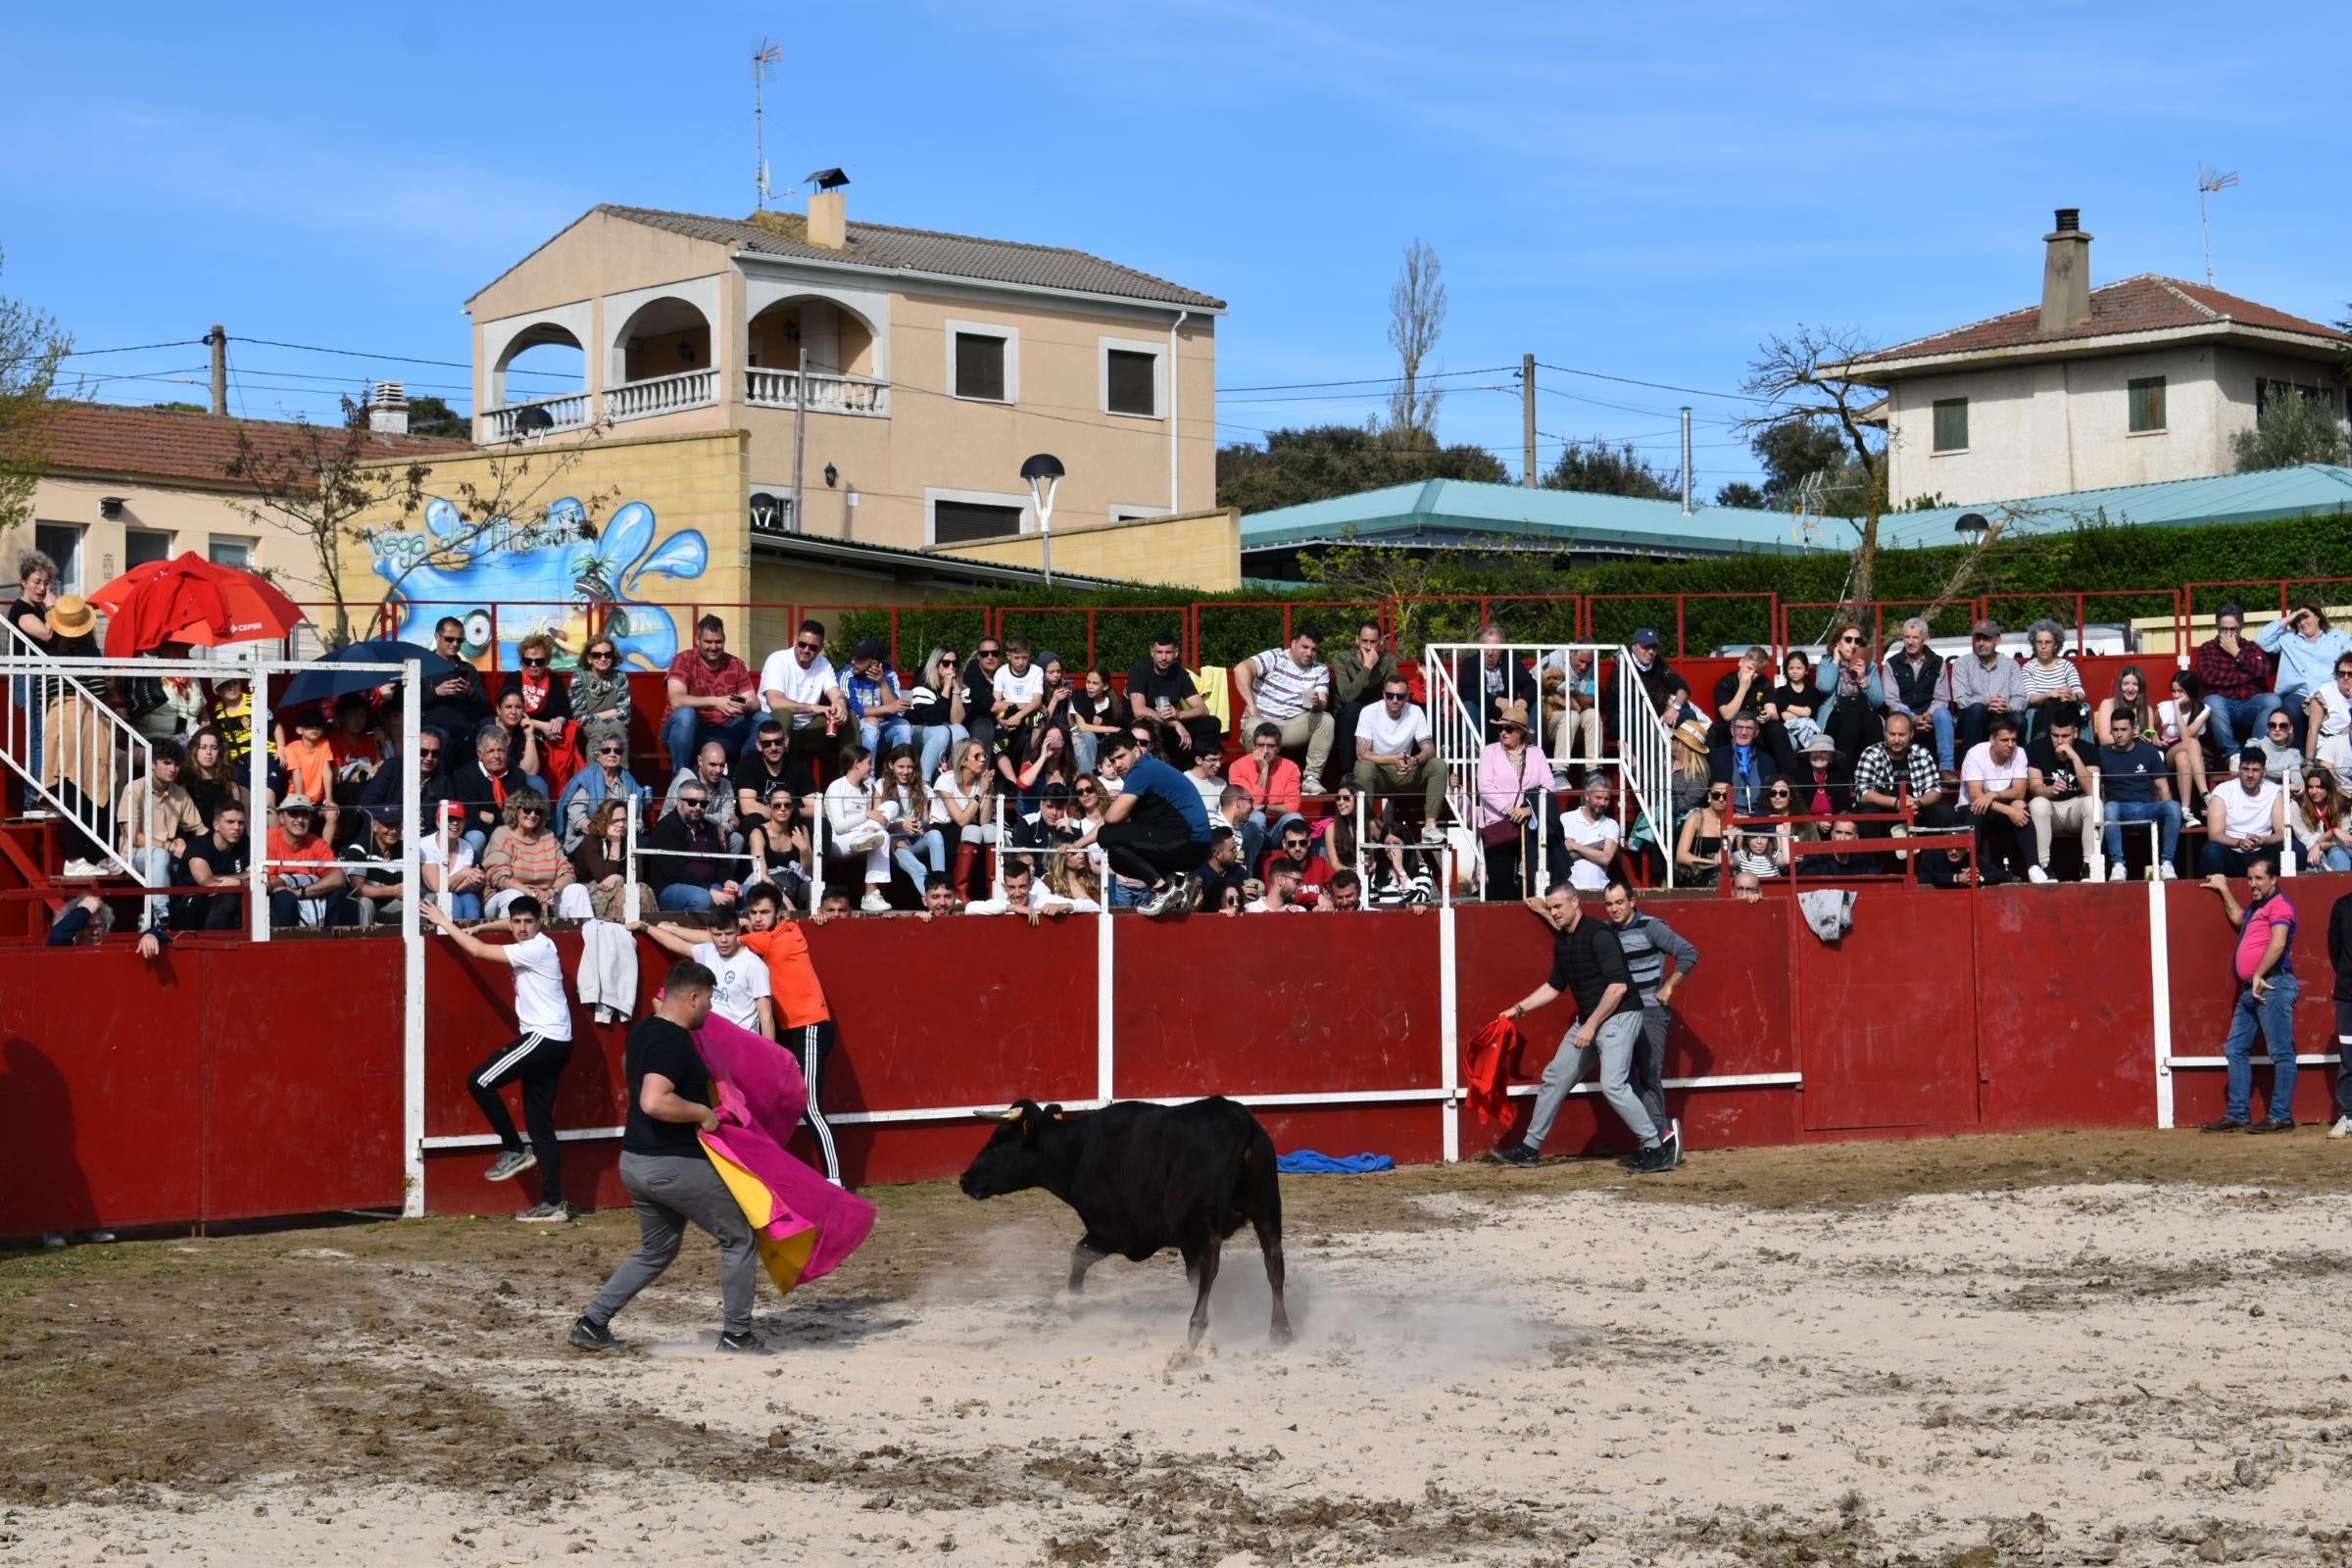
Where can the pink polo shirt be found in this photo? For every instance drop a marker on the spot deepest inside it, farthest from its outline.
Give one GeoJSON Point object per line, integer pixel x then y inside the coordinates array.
{"type": "Point", "coordinates": [2255, 940]}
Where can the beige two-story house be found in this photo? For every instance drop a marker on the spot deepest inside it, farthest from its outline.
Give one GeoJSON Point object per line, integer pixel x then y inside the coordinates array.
{"type": "Point", "coordinates": [893, 381]}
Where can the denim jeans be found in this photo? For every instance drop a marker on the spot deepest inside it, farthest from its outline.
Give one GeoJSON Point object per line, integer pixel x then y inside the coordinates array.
{"type": "Point", "coordinates": [1084, 744]}
{"type": "Point", "coordinates": [2275, 1017]}
{"type": "Point", "coordinates": [683, 733]}
{"type": "Point", "coordinates": [2235, 721]}
{"type": "Point", "coordinates": [1939, 719]}
{"type": "Point", "coordinates": [937, 741]}
{"type": "Point", "coordinates": [912, 854]}
{"type": "Point", "coordinates": [684, 896]}
{"type": "Point", "coordinates": [879, 735]}
{"type": "Point", "coordinates": [2166, 813]}
{"type": "Point", "coordinates": [462, 905]}
{"type": "Point", "coordinates": [2334, 858]}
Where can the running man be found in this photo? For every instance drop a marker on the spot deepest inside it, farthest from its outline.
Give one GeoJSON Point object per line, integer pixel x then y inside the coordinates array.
{"type": "Point", "coordinates": [1588, 964]}
{"type": "Point", "coordinates": [664, 1170]}
{"type": "Point", "coordinates": [742, 996]}
{"type": "Point", "coordinates": [536, 1055]}
{"type": "Point", "coordinates": [1649, 941]}
{"type": "Point", "coordinates": [805, 1023]}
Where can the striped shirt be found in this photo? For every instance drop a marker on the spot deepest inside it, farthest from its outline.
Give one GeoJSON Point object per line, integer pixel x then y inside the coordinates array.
{"type": "Point", "coordinates": [1281, 688]}
{"type": "Point", "coordinates": [1384, 890]}
{"type": "Point", "coordinates": [515, 861]}
{"type": "Point", "coordinates": [1649, 942]}
{"type": "Point", "coordinates": [2058, 677]}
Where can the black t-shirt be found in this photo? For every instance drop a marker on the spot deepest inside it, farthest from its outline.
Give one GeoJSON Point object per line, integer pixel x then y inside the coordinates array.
{"type": "Point", "coordinates": [751, 774]}
{"type": "Point", "coordinates": [1784, 696]}
{"type": "Point", "coordinates": [224, 859]}
{"type": "Point", "coordinates": [2058, 772]}
{"type": "Point", "coordinates": [979, 690]}
{"type": "Point", "coordinates": [656, 1045]}
{"type": "Point", "coordinates": [927, 709]}
{"type": "Point", "coordinates": [1587, 962]}
{"type": "Point", "coordinates": [1759, 691]}
{"type": "Point", "coordinates": [1147, 681]}
{"type": "Point", "coordinates": [1083, 709]}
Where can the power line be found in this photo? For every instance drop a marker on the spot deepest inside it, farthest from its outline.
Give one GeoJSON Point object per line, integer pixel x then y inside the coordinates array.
{"type": "Point", "coordinates": [1388, 381]}
{"type": "Point", "coordinates": [396, 359]}
{"type": "Point", "coordinates": [1662, 387]}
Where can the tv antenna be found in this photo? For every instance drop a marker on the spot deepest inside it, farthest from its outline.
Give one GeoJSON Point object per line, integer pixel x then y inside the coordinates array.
{"type": "Point", "coordinates": [1806, 512]}
{"type": "Point", "coordinates": [2210, 180]}
{"type": "Point", "coordinates": [764, 56]}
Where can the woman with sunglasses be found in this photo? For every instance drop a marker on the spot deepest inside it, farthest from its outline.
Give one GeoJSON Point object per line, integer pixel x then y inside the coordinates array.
{"type": "Point", "coordinates": [600, 692]}
{"type": "Point", "coordinates": [606, 778]}
{"type": "Point", "coordinates": [2328, 721]}
{"type": "Point", "coordinates": [545, 710]}
{"type": "Point", "coordinates": [523, 857]}
{"type": "Point", "coordinates": [935, 710]}
{"type": "Point", "coordinates": [1852, 699]}
{"type": "Point", "coordinates": [1698, 849]}
{"type": "Point", "coordinates": [2281, 758]}
{"type": "Point", "coordinates": [962, 810]}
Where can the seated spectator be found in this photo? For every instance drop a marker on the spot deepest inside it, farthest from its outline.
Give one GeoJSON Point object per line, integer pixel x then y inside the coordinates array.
{"type": "Point", "coordinates": [1495, 679]}
{"type": "Point", "coordinates": [916, 843]}
{"type": "Point", "coordinates": [689, 870]}
{"type": "Point", "coordinates": [802, 692]}
{"type": "Point", "coordinates": [2322, 837]}
{"type": "Point", "coordinates": [526, 857]}
{"type": "Point", "coordinates": [1911, 677]}
{"type": "Point", "coordinates": [1208, 774]}
{"type": "Point", "coordinates": [1851, 700]}
{"type": "Point", "coordinates": [1344, 893]}
{"type": "Point", "coordinates": [1699, 847]}
{"type": "Point", "coordinates": [935, 710]}
{"type": "Point", "coordinates": [877, 701]}
{"type": "Point", "coordinates": [1994, 773]}
{"type": "Point", "coordinates": [2183, 729]}
{"type": "Point", "coordinates": [1761, 853]}
{"type": "Point", "coordinates": [1335, 833]}
{"type": "Point", "coordinates": [376, 887]}
{"type": "Point", "coordinates": [606, 778]}
{"type": "Point", "coordinates": [455, 703]}
{"type": "Point", "coordinates": [1074, 880]}
{"type": "Point", "coordinates": [1571, 711]}
{"type": "Point", "coordinates": [307, 765]}
{"type": "Point", "coordinates": [1779, 800]}
{"type": "Point", "coordinates": [1396, 756]}
{"type": "Point", "coordinates": [1743, 765]}
{"type": "Point", "coordinates": [2237, 683]}
{"type": "Point", "coordinates": [1280, 894]}
{"type": "Point", "coordinates": [153, 851]}
{"type": "Point", "coordinates": [1273, 781]}
{"type": "Point", "coordinates": [1087, 794]}
{"type": "Point", "coordinates": [546, 696]}
{"type": "Point", "coordinates": [2131, 695]}
{"type": "Point", "coordinates": [433, 780]}
{"type": "Point", "coordinates": [1821, 786]}
{"type": "Point", "coordinates": [305, 887]}
{"type": "Point", "coordinates": [600, 863]}
{"type": "Point", "coordinates": [1294, 850]}
{"type": "Point", "coordinates": [1025, 894]}
{"type": "Point", "coordinates": [480, 789]}
{"type": "Point", "coordinates": [1589, 836]}
{"type": "Point", "coordinates": [2281, 756]}
{"type": "Point", "coordinates": [1040, 757]}
{"type": "Point", "coordinates": [1794, 702]}
{"type": "Point", "coordinates": [447, 868]}
{"type": "Point", "coordinates": [964, 812]}
{"type": "Point", "coordinates": [1513, 784]}
{"type": "Point", "coordinates": [215, 859]}
{"type": "Point", "coordinates": [1399, 876]}
{"type": "Point", "coordinates": [2053, 685]}
{"type": "Point", "coordinates": [1669, 694]}
{"type": "Point", "coordinates": [2307, 648]}
{"type": "Point", "coordinates": [207, 775]}
{"type": "Point", "coordinates": [1160, 693]}
{"type": "Point", "coordinates": [1983, 686]}
{"type": "Point", "coordinates": [1850, 858]}
{"type": "Point", "coordinates": [1950, 868]}
{"type": "Point", "coordinates": [857, 828]}
{"type": "Point", "coordinates": [2135, 789]}
{"type": "Point", "coordinates": [1748, 689]}
{"type": "Point", "coordinates": [758, 775]}
{"type": "Point", "coordinates": [1224, 871]}
{"type": "Point", "coordinates": [1748, 887]}
{"type": "Point", "coordinates": [780, 849]}
{"type": "Point", "coordinates": [1290, 688]}
{"type": "Point", "coordinates": [599, 693]}
{"type": "Point", "coordinates": [2061, 771]}
{"type": "Point", "coordinates": [713, 696]}
{"type": "Point", "coordinates": [1094, 713]}
{"type": "Point", "coordinates": [1016, 699]}
{"type": "Point", "coordinates": [1236, 807]}
{"type": "Point", "coordinates": [356, 746]}
{"type": "Point", "coordinates": [1047, 828]}
{"type": "Point", "coordinates": [2246, 816]}
{"type": "Point", "coordinates": [1357, 673]}
{"type": "Point", "coordinates": [710, 776]}
{"type": "Point", "coordinates": [2328, 722]}
{"type": "Point", "coordinates": [1896, 774]}
{"type": "Point", "coordinates": [526, 746]}
{"type": "Point", "coordinates": [86, 923]}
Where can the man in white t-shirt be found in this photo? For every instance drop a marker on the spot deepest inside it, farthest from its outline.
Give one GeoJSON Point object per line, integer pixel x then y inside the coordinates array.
{"type": "Point", "coordinates": [1394, 754]}
{"type": "Point", "coordinates": [2244, 817]}
{"type": "Point", "coordinates": [1994, 777]}
{"type": "Point", "coordinates": [742, 996]}
{"type": "Point", "coordinates": [1018, 687]}
{"type": "Point", "coordinates": [1589, 836]}
{"type": "Point", "coordinates": [1281, 895]}
{"type": "Point", "coordinates": [799, 686]}
{"type": "Point", "coordinates": [535, 1057]}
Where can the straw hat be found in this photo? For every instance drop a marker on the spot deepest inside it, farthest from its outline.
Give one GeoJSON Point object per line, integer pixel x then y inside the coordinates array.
{"type": "Point", "coordinates": [72, 617]}
{"type": "Point", "coordinates": [1512, 713]}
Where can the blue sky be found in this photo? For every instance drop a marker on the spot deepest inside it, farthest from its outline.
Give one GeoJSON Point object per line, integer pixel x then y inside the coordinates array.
{"type": "Point", "coordinates": [1641, 192]}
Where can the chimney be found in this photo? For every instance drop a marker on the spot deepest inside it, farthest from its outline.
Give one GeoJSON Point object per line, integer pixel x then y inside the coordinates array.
{"type": "Point", "coordinates": [828, 219]}
{"type": "Point", "coordinates": [2066, 273]}
{"type": "Point", "coordinates": [388, 409]}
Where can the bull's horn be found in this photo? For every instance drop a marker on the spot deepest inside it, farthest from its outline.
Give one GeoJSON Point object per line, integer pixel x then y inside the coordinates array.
{"type": "Point", "coordinates": [1011, 1114]}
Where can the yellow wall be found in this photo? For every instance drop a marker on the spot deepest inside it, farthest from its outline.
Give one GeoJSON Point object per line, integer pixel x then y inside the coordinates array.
{"type": "Point", "coordinates": [1202, 550]}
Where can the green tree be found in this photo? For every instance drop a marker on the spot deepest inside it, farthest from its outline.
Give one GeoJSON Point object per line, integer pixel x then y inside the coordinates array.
{"type": "Point", "coordinates": [1806, 383]}
{"type": "Point", "coordinates": [1320, 462]}
{"type": "Point", "coordinates": [1599, 469]}
{"type": "Point", "coordinates": [31, 351]}
{"type": "Point", "coordinates": [1739, 493]}
{"type": "Point", "coordinates": [1790, 453]}
{"type": "Point", "coordinates": [2290, 429]}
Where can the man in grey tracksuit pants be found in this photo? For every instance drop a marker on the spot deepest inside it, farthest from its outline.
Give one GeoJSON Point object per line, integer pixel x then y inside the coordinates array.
{"type": "Point", "coordinates": [1588, 964]}
{"type": "Point", "coordinates": [1649, 942]}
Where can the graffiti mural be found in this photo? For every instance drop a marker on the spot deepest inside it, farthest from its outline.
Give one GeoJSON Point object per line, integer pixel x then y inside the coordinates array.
{"type": "Point", "coordinates": [560, 575]}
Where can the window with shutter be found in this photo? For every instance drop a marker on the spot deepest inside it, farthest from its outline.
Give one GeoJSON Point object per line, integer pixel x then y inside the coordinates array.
{"type": "Point", "coordinates": [1951, 425]}
{"type": "Point", "coordinates": [2146, 395]}
{"type": "Point", "coordinates": [979, 367]}
{"type": "Point", "coordinates": [1132, 382]}
{"type": "Point", "coordinates": [961, 521]}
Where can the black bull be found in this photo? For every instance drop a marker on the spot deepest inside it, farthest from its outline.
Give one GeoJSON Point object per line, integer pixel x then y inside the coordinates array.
{"type": "Point", "coordinates": [1145, 1177]}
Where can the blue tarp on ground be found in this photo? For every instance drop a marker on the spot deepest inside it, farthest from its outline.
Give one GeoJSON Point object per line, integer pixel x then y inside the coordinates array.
{"type": "Point", "coordinates": [1306, 1162]}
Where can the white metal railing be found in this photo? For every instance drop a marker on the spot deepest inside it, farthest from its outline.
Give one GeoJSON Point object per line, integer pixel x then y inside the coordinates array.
{"type": "Point", "coordinates": [572, 410]}
{"type": "Point", "coordinates": [1645, 757]}
{"type": "Point", "coordinates": [827, 394]}
{"type": "Point", "coordinates": [664, 394]}
{"type": "Point", "coordinates": [56, 724]}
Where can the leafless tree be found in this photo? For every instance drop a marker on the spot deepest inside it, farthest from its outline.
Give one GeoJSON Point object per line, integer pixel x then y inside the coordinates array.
{"type": "Point", "coordinates": [31, 350]}
{"type": "Point", "coordinates": [1805, 378]}
{"type": "Point", "coordinates": [1416, 320]}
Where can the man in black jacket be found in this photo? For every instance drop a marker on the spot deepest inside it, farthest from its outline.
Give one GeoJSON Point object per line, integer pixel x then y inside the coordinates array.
{"type": "Point", "coordinates": [482, 787]}
{"type": "Point", "coordinates": [455, 702]}
{"type": "Point", "coordinates": [692, 876]}
{"type": "Point", "coordinates": [1744, 765]}
{"type": "Point", "coordinates": [1908, 676]}
{"type": "Point", "coordinates": [432, 778]}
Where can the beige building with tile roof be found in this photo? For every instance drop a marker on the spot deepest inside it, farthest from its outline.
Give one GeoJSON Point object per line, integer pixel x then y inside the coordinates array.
{"type": "Point", "coordinates": [903, 374]}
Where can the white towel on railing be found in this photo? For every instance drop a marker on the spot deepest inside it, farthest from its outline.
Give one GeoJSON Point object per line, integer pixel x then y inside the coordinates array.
{"type": "Point", "coordinates": [608, 975]}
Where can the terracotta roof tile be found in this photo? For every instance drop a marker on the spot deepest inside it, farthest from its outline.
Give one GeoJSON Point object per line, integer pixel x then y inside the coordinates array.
{"type": "Point", "coordinates": [2143, 303]}
{"type": "Point", "coordinates": [158, 443]}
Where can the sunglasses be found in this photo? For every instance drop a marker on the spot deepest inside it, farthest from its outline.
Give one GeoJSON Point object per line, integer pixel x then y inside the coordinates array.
{"type": "Point", "coordinates": [690, 800]}
{"type": "Point", "coordinates": [607, 750]}
{"type": "Point", "coordinates": [534, 663]}
{"type": "Point", "coordinates": [1849, 637]}
{"type": "Point", "coordinates": [1393, 697]}
{"type": "Point", "coordinates": [811, 648]}
{"type": "Point", "coordinates": [529, 810]}
{"type": "Point", "coordinates": [989, 653]}
{"type": "Point", "coordinates": [447, 637]}
{"type": "Point", "coordinates": [427, 754]}
{"type": "Point", "coordinates": [772, 745]}
{"type": "Point", "coordinates": [603, 654]}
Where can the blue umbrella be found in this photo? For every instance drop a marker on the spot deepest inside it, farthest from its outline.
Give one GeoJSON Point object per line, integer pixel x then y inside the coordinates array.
{"type": "Point", "coordinates": [325, 680]}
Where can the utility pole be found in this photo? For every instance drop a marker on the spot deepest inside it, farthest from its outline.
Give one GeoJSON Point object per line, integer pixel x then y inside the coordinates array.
{"type": "Point", "coordinates": [219, 339]}
{"type": "Point", "coordinates": [1685, 459]}
{"type": "Point", "coordinates": [1526, 417]}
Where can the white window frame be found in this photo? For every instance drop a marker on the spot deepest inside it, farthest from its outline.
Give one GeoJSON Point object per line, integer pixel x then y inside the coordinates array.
{"type": "Point", "coordinates": [1120, 512]}
{"type": "Point", "coordinates": [251, 547]}
{"type": "Point", "coordinates": [1159, 350]}
{"type": "Point", "coordinates": [1011, 338]}
{"type": "Point", "coordinates": [170, 537]}
{"type": "Point", "coordinates": [933, 495]}
{"type": "Point", "coordinates": [73, 570]}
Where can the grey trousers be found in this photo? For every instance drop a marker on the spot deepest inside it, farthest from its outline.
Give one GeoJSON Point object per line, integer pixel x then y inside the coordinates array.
{"type": "Point", "coordinates": [1614, 1044]}
{"type": "Point", "coordinates": [670, 1191]}
{"type": "Point", "coordinates": [1649, 1066]}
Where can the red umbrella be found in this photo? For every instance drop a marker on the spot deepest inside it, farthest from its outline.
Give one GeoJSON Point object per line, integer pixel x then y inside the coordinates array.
{"type": "Point", "coordinates": [191, 600]}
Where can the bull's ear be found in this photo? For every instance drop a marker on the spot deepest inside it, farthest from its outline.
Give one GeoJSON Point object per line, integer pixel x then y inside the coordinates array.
{"type": "Point", "coordinates": [1054, 1111]}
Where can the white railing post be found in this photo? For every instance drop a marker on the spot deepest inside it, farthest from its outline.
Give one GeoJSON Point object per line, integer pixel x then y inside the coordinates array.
{"type": "Point", "coordinates": [2160, 994]}
{"type": "Point", "coordinates": [628, 867]}
{"type": "Point", "coordinates": [258, 814]}
{"type": "Point", "coordinates": [412, 940]}
{"type": "Point", "coordinates": [816, 844]}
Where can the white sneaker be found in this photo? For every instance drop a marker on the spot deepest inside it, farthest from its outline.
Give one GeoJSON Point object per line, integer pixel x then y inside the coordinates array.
{"type": "Point", "coordinates": [2035, 874]}
{"type": "Point", "coordinates": [874, 903]}
{"type": "Point", "coordinates": [84, 870]}
{"type": "Point", "coordinates": [2115, 872]}
{"type": "Point", "coordinates": [2166, 873]}
{"type": "Point", "coordinates": [1310, 786]}
{"type": "Point", "coordinates": [2190, 818]}
{"type": "Point", "coordinates": [2343, 1128]}
{"type": "Point", "coordinates": [1433, 833]}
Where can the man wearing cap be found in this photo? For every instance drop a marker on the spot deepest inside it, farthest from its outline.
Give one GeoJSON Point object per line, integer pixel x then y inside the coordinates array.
{"type": "Point", "coordinates": [1669, 693]}
{"type": "Point", "coordinates": [1820, 787]}
{"type": "Point", "coordinates": [2244, 817]}
{"type": "Point", "coordinates": [876, 701]}
{"type": "Point", "coordinates": [298, 872]}
{"type": "Point", "coordinates": [376, 887]}
{"type": "Point", "coordinates": [1983, 685]}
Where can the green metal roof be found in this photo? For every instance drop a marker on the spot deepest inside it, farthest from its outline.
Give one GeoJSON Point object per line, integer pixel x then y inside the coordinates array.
{"type": "Point", "coordinates": [1459, 512]}
{"type": "Point", "coordinates": [2315, 488]}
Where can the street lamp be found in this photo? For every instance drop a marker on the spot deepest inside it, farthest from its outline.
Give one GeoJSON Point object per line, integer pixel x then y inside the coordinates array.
{"type": "Point", "coordinates": [1043, 472]}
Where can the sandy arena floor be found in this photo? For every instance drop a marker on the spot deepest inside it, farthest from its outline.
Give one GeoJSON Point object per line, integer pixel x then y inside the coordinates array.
{"type": "Point", "coordinates": [2073, 1348]}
